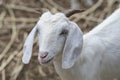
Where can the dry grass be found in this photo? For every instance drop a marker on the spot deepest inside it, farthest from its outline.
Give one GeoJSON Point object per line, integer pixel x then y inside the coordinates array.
{"type": "Point", "coordinates": [18, 17]}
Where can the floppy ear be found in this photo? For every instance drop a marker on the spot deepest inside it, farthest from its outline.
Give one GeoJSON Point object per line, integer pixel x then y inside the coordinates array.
{"type": "Point", "coordinates": [73, 46]}
{"type": "Point", "coordinates": [27, 49]}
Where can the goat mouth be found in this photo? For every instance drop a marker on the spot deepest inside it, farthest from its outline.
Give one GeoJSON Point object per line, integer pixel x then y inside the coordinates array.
{"type": "Point", "coordinates": [47, 61]}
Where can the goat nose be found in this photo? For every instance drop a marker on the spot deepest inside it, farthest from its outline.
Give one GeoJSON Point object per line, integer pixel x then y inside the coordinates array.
{"type": "Point", "coordinates": [43, 54]}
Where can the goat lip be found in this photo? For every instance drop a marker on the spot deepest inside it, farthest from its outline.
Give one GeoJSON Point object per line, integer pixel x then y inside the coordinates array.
{"type": "Point", "coordinates": [47, 61]}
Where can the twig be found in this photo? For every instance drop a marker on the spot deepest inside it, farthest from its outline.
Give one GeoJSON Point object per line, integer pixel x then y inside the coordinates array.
{"type": "Point", "coordinates": [12, 37]}
{"type": "Point", "coordinates": [91, 18]}
{"type": "Point", "coordinates": [17, 69]}
{"type": "Point", "coordinates": [22, 19]}
{"type": "Point", "coordinates": [45, 4]}
{"type": "Point", "coordinates": [4, 64]}
{"type": "Point", "coordinates": [2, 15]}
{"type": "Point", "coordinates": [90, 10]}
{"type": "Point", "coordinates": [23, 8]}
{"type": "Point", "coordinates": [26, 26]}
{"type": "Point", "coordinates": [2, 43]}
{"type": "Point", "coordinates": [17, 72]}
{"type": "Point", "coordinates": [57, 6]}
{"type": "Point", "coordinates": [3, 75]}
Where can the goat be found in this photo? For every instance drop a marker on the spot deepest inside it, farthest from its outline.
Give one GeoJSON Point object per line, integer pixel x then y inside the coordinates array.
{"type": "Point", "coordinates": [92, 56]}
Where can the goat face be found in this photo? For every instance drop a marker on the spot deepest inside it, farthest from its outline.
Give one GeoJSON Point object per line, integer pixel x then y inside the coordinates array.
{"type": "Point", "coordinates": [52, 35]}
{"type": "Point", "coordinates": [56, 34]}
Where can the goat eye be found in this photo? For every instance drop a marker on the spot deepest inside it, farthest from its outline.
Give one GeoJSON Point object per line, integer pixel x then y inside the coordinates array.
{"type": "Point", "coordinates": [64, 32]}
{"type": "Point", "coordinates": [38, 31]}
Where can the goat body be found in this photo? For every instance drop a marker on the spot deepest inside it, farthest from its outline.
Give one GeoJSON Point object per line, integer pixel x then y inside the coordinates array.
{"type": "Point", "coordinates": [93, 56]}
{"type": "Point", "coordinates": [100, 56]}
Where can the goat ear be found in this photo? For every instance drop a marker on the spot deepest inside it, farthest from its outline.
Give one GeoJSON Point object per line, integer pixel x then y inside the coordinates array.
{"type": "Point", "coordinates": [27, 49]}
{"type": "Point", "coordinates": [73, 46]}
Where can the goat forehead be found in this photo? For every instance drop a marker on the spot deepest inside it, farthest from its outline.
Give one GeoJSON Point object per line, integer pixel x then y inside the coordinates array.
{"type": "Point", "coordinates": [49, 18]}
{"type": "Point", "coordinates": [50, 23]}
{"type": "Point", "coordinates": [58, 17]}
{"type": "Point", "coordinates": [54, 27]}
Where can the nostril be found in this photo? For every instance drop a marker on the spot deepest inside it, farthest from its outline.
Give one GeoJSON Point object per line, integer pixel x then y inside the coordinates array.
{"type": "Point", "coordinates": [43, 54]}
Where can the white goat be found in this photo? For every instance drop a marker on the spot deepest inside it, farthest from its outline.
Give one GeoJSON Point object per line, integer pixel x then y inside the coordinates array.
{"type": "Point", "coordinates": [94, 56]}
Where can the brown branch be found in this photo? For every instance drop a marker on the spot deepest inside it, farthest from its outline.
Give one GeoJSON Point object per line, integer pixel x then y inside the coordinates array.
{"type": "Point", "coordinates": [23, 8]}
{"type": "Point", "coordinates": [12, 37]}
{"type": "Point", "coordinates": [22, 19]}
{"type": "Point", "coordinates": [90, 10]}
{"type": "Point", "coordinates": [3, 75]}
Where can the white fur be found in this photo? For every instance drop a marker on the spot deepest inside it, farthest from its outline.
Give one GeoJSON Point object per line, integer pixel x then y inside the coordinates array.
{"type": "Point", "coordinates": [99, 50]}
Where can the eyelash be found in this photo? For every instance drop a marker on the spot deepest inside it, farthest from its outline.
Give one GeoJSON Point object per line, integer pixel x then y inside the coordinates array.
{"type": "Point", "coordinates": [64, 32]}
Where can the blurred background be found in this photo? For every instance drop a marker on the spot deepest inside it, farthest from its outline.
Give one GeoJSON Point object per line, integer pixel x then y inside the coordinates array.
{"type": "Point", "coordinates": [18, 17]}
